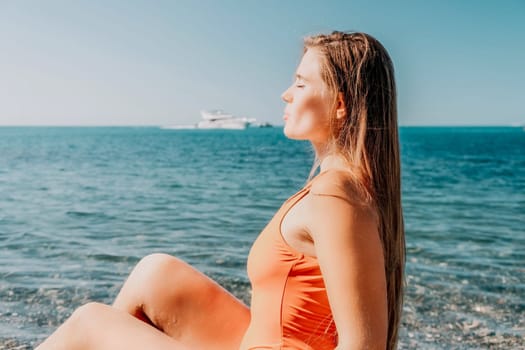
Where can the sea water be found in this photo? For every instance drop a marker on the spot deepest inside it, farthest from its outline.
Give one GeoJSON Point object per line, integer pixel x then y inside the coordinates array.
{"type": "Point", "coordinates": [79, 207]}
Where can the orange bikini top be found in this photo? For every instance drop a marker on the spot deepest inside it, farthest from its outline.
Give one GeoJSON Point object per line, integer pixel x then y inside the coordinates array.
{"type": "Point", "coordinates": [289, 307]}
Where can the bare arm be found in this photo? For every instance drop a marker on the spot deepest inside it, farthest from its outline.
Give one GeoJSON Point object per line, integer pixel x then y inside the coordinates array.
{"type": "Point", "coordinates": [350, 255]}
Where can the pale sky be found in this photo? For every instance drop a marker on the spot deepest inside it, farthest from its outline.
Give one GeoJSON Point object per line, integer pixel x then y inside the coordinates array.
{"type": "Point", "coordinates": [139, 62]}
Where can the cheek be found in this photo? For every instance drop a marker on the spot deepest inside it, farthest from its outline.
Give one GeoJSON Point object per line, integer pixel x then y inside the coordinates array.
{"type": "Point", "coordinates": [308, 120]}
{"type": "Point", "coordinates": [313, 111]}
{"type": "Point", "coordinates": [314, 103]}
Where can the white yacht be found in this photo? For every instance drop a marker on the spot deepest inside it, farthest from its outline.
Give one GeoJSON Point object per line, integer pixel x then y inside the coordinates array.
{"type": "Point", "coordinates": [218, 119]}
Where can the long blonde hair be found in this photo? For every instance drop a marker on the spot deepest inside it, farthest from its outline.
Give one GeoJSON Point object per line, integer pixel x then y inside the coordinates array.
{"type": "Point", "coordinates": [357, 66]}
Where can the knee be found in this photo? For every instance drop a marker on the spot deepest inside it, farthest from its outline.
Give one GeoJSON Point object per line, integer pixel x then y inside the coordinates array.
{"type": "Point", "coordinates": [86, 314]}
{"type": "Point", "coordinates": [158, 271]}
{"type": "Point", "coordinates": [156, 265]}
{"type": "Point", "coordinates": [79, 331]}
{"type": "Point", "coordinates": [155, 261]}
{"type": "Point", "coordinates": [82, 321]}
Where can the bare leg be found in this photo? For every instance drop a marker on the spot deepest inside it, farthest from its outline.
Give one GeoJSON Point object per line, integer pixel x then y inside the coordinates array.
{"type": "Point", "coordinates": [164, 304]}
{"type": "Point", "coordinates": [101, 327]}
{"type": "Point", "coordinates": [183, 303]}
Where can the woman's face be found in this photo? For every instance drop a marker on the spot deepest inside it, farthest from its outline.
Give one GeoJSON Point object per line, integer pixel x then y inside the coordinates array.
{"type": "Point", "coordinates": [308, 105]}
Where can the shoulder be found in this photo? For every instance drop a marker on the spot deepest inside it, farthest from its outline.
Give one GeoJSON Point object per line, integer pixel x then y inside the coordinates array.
{"type": "Point", "coordinates": [340, 210]}
{"type": "Point", "coordinates": [338, 195]}
{"type": "Point", "coordinates": [339, 184]}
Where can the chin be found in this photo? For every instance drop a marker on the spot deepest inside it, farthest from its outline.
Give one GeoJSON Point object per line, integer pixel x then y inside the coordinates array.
{"type": "Point", "coordinates": [289, 133]}
{"type": "Point", "coordinates": [294, 135]}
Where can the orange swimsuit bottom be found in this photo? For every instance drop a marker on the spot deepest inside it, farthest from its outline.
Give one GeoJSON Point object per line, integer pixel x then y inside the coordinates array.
{"type": "Point", "coordinates": [289, 307]}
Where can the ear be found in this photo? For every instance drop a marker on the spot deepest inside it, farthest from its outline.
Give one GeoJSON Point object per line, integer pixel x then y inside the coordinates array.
{"type": "Point", "coordinates": [340, 111]}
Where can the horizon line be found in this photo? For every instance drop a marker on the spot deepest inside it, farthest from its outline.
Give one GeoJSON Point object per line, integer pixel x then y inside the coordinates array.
{"type": "Point", "coordinates": [275, 126]}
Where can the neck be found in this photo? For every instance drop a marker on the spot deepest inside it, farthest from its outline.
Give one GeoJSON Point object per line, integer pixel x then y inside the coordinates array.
{"type": "Point", "coordinates": [328, 160]}
{"type": "Point", "coordinates": [333, 161]}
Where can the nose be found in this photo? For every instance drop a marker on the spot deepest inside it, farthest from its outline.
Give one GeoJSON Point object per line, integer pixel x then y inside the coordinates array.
{"type": "Point", "coordinates": [287, 96]}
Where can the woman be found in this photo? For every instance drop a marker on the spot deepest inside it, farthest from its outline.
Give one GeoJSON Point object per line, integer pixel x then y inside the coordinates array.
{"type": "Point", "coordinates": [327, 271]}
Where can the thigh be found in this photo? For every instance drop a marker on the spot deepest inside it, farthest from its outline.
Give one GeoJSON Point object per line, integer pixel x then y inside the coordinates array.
{"type": "Point", "coordinates": [184, 303]}
{"type": "Point", "coordinates": [101, 327]}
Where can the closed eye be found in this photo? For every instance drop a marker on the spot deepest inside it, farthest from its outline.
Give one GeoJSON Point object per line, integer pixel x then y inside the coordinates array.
{"type": "Point", "coordinates": [299, 81]}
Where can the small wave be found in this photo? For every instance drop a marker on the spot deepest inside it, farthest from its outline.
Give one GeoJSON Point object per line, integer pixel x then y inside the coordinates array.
{"type": "Point", "coordinates": [110, 258]}
{"type": "Point", "coordinates": [87, 214]}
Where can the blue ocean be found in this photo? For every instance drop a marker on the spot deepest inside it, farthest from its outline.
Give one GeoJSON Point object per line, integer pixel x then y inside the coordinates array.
{"type": "Point", "coordinates": [80, 206]}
